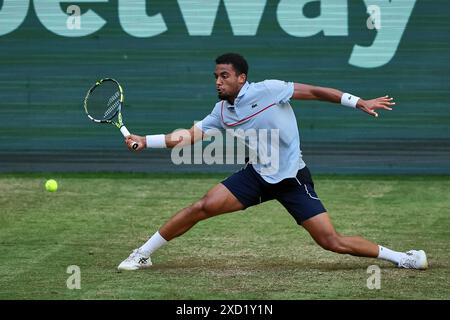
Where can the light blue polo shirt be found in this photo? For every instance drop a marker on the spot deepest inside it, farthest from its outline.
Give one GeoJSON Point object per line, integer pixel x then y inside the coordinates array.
{"type": "Point", "coordinates": [263, 107]}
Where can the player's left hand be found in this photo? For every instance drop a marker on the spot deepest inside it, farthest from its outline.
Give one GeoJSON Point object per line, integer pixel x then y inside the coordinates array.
{"type": "Point", "coordinates": [369, 106]}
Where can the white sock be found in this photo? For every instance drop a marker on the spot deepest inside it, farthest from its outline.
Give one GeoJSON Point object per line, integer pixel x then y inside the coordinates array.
{"type": "Point", "coordinates": [154, 243]}
{"type": "Point", "coordinates": [390, 255]}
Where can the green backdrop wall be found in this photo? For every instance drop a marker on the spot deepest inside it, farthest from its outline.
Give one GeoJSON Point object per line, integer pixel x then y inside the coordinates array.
{"type": "Point", "coordinates": [163, 54]}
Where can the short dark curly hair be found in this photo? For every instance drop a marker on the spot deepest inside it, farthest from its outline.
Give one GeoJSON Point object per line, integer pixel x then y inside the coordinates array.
{"type": "Point", "coordinates": [238, 62]}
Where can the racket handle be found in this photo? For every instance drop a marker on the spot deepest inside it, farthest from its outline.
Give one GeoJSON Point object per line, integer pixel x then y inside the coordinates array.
{"type": "Point", "coordinates": [127, 133]}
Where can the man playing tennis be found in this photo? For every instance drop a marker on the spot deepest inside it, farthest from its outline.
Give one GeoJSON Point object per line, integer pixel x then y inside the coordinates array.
{"type": "Point", "coordinates": [265, 105]}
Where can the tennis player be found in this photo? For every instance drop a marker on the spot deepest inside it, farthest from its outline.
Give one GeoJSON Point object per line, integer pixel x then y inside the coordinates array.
{"type": "Point", "coordinates": [265, 105]}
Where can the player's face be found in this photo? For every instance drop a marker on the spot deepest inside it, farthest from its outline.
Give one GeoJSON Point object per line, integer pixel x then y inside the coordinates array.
{"type": "Point", "coordinates": [228, 83]}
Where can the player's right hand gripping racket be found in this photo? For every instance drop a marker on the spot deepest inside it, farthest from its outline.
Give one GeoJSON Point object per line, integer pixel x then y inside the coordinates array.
{"type": "Point", "coordinates": [103, 104]}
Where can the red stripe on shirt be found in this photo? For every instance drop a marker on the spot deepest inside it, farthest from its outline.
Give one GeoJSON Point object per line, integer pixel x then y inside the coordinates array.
{"type": "Point", "coordinates": [242, 120]}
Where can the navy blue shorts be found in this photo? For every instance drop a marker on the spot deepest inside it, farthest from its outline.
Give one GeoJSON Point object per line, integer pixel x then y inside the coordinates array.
{"type": "Point", "coordinates": [297, 195]}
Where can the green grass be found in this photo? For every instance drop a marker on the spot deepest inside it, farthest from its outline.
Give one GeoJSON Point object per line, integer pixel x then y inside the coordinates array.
{"type": "Point", "coordinates": [95, 220]}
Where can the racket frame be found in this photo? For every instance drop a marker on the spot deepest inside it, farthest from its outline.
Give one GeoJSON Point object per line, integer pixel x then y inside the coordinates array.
{"type": "Point", "coordinates": [119, 123]}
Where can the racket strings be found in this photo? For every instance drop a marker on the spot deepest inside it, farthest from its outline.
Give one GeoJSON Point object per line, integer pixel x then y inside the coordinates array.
{"type": "Point", "coordinates": [112, 105]}
{"type": "Point", "coordinates": [104, 101]}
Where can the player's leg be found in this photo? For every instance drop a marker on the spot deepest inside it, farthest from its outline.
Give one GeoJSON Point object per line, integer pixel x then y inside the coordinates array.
{"type": "Point", "coordinates": [322, 231]}
{"type": "Point", "coordinates": [218, 200]}
{"type": "Point", "coordinates": [297, 195]}
{"type": "Point", "coordinates": [237, 192]}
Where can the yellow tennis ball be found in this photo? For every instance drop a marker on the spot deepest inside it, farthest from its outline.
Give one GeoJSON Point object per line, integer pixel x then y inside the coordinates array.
{"type": "Point", "coordinates": [51, 185]}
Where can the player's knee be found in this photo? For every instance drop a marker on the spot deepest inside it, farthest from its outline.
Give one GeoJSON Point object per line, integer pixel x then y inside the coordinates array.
{"type": "Point", "coordinates": [209, 207]}
{"type": "Point", "coordinates": [204, 208]}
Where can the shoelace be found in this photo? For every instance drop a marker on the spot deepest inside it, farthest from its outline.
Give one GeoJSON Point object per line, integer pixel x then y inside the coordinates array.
{"type": "Point", "coordinates": [132, 255]}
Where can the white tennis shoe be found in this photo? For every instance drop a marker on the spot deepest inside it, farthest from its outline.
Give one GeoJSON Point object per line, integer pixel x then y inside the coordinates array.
{"type": "Point", "coordinates": [414, 259]}
{"type": "Point", "coordinates": [135, 261]}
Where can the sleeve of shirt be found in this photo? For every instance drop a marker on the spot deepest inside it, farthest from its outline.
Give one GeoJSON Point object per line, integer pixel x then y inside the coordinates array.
{"type": "Point", "coordinates": [211, 121]}
{"type": "Point", "coordinates": [281, 91]}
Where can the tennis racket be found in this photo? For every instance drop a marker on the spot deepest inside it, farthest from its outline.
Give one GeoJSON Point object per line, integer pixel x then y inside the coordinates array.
{"type": "Point", "coordinates": [103, 104]}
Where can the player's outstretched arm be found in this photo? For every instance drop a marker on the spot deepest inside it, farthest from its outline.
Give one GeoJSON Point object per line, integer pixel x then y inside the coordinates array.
{"type": "Point", "coordinates": [177, 138]}
{"type": "Point", "coordinates": [309, 92]}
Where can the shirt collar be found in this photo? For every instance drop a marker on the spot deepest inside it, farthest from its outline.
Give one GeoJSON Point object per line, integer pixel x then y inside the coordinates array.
{"type": "Point", "coordinates": [243, 89]}
{"type": "Point", "coordinates": [240, 94]}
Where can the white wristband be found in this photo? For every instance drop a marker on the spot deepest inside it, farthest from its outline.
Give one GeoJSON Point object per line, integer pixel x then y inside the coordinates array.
{"type": "Point", "coordinates": [349, 100]}
{"type": "Point", "coordinates": [156, 141]}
